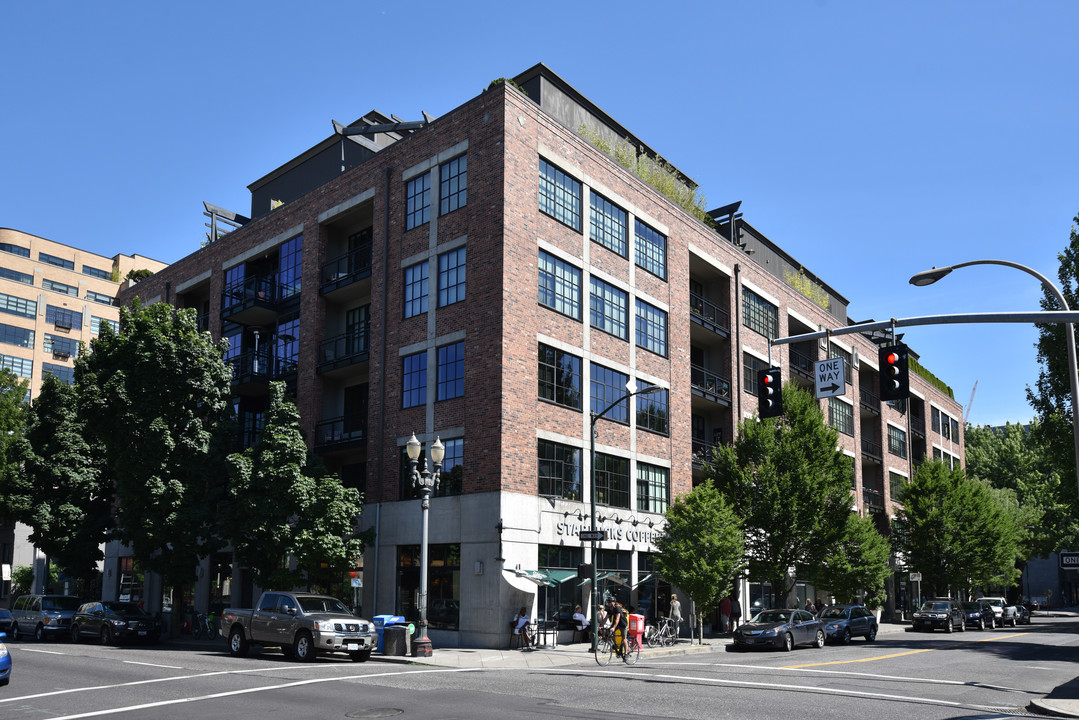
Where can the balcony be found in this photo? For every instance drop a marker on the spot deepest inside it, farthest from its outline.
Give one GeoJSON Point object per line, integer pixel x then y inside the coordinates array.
{"type": "Point", "coordinates": [346, 270]}
{"type": "Point", "coordinates": [869, 401]}
{"type": "Point", "coordinates": [873, 500]}
{"type": "Point", "coordinates": [710, 386]}
{"type": "Point", "coordinates": [702, 453]}
{"type": "Point", "coordinates": [872, 450]}
{"type": "Point", "coordinates": [341, 433]}
{"type": "Point", "coordinates": [802, 363]}
{"type": "Point", "coordinates": [709, 315]}
{"type": "Point", "coordinates": [344, 350]}
{"type": "Point", "coordinates": [251, 372]}
{"type": "Point", "coordinates": [917, 425]}
{"type": "Point", "coordinates": [252, 301]}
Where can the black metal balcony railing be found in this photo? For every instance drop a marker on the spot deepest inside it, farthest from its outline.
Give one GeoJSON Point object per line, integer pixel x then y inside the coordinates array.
{"type": "Point", "coordinates": [872, 449]}
{"type": "Point", "coordinates": [351, 347]}
{"type": "Point", "coordinates": [917, 425]}
{"type": "Point", "coordinates": [709, 383]}
{"type": "Point", "coordinates": [709, 314]}
{"type": "Point", "coordinates": [341, 430]}
{"type": "Point", "coordinates": [249, 289]}
{"type": "Point", "coordinates": [869, 400]}
{"type": "Point", "coordinates": [250, 365]}
{"type": "Point", "coordinates": [873, 499]}
{"type": "Point", "coordinates": [348, 268]}
{"type": "Point", "coordinates": [702, 452]}
{"type": "Point", "coordinates": [802, 363]}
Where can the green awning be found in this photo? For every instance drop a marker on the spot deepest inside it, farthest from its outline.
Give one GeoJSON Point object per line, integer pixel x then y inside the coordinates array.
{"type": "Point", "coordinates": [550, 578]}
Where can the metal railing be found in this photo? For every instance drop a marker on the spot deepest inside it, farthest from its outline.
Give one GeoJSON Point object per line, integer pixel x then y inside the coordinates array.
{"type": "Point", "coordinates": [709, 312]}
{"type": "Point", "coordinates": [340, 430]}
{"type": "Point", "coordinates": [353, 346]}
{"type": "Point", "coordinates": [710, 382]}
{"type": "Point", "coordinates": [347, 268]}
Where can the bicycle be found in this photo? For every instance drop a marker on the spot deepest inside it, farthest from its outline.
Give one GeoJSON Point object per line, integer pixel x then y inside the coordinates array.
{"type": "Point", "coordinates": [663, 635]}
{"type": "Point", "coordinates": [204, 625]}
{"type": "Point", "coordinates": [605, 648]}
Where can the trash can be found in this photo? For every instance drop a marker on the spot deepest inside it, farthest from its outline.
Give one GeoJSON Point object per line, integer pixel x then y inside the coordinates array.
{"type": "Point", "coordinates": [381, 623]}
{"type": "Point", "coordinates": [397, 640]}
{"type": "Point", "coordinates": [636, 627]}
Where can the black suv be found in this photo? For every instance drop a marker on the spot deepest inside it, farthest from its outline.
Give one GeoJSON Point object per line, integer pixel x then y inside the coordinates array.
{"type": "Point", "coordinates": [943, 613]}
{"type": "Point", "coordinates": [109, 622]}
{"type": "Point", "coordinates": [978, 614]}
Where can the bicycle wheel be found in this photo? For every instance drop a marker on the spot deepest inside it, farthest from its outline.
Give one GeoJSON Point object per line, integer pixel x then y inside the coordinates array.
{"type": "Point", "coordinates": [604, 651]}
{"type": "Point", "coordinates": [669, 637]}
{"type": "Point", "coordinates": [633, 650]}
{"type": "Point", "coordinates": [654, 638]}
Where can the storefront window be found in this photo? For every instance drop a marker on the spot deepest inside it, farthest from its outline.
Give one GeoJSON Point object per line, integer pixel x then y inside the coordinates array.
{"type": "Point", "coordinates": [557, 602]}
{"type": "Point", "coordinates": [443, 584]}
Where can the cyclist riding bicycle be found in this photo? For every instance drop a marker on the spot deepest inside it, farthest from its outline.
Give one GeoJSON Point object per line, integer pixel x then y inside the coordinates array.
{"type": "Point", "coordinates": [617, 616]}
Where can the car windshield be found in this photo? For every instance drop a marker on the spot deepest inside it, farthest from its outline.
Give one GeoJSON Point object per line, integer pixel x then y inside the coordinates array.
{"type": "Point", "coordinates": [60, 603]}
{"type": "Point", "coordinates": [772, 616]}
{"type": "Point", "coordinates": [312, 604]}
{"type": "Point", "coordinates": [125, 608]}
{"type": "Point", "coordinates": [834, 612]}
{"type": "Point", "coordinates": [936, 607]}
{"type": "Point", "coordinates": [971, 607]}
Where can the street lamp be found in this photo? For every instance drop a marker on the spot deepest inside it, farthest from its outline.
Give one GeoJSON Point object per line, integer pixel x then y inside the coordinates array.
{"type": "Point", "coordinates": [426, 482]}
{"type": "Point", "coordinates": [631, 390]}
{"type": "Point", "coordinates": [928, 277]}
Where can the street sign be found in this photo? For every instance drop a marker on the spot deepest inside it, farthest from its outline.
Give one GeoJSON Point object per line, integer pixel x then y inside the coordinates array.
{"type": "Point", "coordinates": [831, 378]}
{"type": "Point", "coordinates": [357, 582]}
{"type": "Point", "coordinates": [1069, 561]}
{"type": "Point", "coordinates": [592, 535]}
{"type": "Point", "coordinates": [915, 577]}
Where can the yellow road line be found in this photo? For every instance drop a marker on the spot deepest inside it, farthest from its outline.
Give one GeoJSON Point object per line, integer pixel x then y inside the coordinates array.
{"type": "Point", "coordinates": [895, 655]}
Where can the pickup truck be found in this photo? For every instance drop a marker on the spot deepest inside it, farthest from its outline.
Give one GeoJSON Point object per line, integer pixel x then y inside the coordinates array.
{"type": "Point", "coordinates": [303, 625]}
{"type": "Point", "coordinates": [1005, 612]}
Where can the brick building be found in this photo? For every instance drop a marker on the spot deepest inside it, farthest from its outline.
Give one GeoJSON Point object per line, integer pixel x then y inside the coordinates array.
{"type": "Point", "coordinates": [52, 298]}
{"type": "Point", "coordinates": [488, 278]}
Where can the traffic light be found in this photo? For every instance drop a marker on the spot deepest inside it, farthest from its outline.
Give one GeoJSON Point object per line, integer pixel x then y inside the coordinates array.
{"type": "Point", "coordinates": [770, 393]}
{"type": "Point", "coordinates": [894, 377]}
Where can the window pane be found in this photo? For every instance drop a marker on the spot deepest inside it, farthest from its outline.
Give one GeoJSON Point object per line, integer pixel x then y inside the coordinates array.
{"type": "Point", "coordinates": [559, 285]}
{"type": "Point", "coordinates": [609, 308]}
{"type": "Point", "coordinates": [651, 328]}
{"type": "Point", "coordinates": [559, 470]}
{"type": "Point", "coordinates": [612, 480]}
{"type": "Point", "coordinates": [651, 250]}
{"type": "Point", "coordinates": [451, 371]}
{"type": "Point", "coordinates": [608, 386]}
{"type": "Point", "coordinates": [607, 223]}
{"type": "Point", "coordinates": [559, 377]}
{"type": "Point", "coordinates": [653, 488]}
{"type": "Point", "coordinates": [453, 184]}
{"type": "Point", "coordinates": [416, 289]}
{"type": "Point", "coordinates": [451, 277]}
{"type": "Point", "coordinates": [415, 380]}
{"type": "Point", "coordinates": [559, 195]}
{"type": "Point", "coordinates": [418, 201]}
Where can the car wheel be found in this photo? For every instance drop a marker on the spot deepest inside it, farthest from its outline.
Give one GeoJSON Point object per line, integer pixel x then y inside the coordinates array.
{"type": "Point", "coordinates": [237, 642]}
{"type": "Point", "coordinates": [14, 631]}
{"type": "Point", "coordinates": [74, 633]}
{"type": "Point", "coordinates": [1013, 622]}
{"type": "Point", "coordinates": [304, 647]}
{"type": "Point", "coordinates": [949, 626]}
{"type": "Point", "coordinates": [820, 639]}
{"type": "Point", "coordinates": [845, 637]}
{"type": "Point", "coordinates": [39, 632]}
{"type": "Point", "coordinates": [872, 634]}
{"type": "Point", "coordinates": [360, 655]}
{"type": "Point", "coordinates": [788, 642]}
{"type": "Point", "coordinates": [981, 623]}
{"type": "Point", "coordinates": [106, 635]}
{"type": "Point", "coordinates": [962, 626]}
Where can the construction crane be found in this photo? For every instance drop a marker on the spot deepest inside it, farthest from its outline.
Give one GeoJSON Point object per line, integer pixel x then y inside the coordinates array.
{"type": "Point", "coordinates": [966, 415]}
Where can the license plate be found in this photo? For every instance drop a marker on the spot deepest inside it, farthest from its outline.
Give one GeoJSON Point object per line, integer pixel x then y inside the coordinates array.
{"type": "Point", "coordinates": [142, 632]}
{"type": "Point", "coordinates": [352, 646]}
{"type": "Point", "coordinates": [750, 641]}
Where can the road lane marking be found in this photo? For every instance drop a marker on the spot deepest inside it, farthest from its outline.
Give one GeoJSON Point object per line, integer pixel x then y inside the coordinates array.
{"type": "Point", "coordinates": [909, 652]}
{"type": "Point", "coordinates": [170, 667]}
{"type": "Point", "coordinates": [43, 652]}
{"type": "Point", "coordinates": [248, 691]}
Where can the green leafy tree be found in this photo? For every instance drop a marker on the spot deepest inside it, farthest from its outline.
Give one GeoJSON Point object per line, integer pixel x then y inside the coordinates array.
{"type": "Point", "coordinates": [277, 510]}
{"type": "Point", "coordinates": [13, 393]}
{"type": "Point", "coordinates": [22, 579]}
{"type": "Point", "coordinates": [857, 564]}
{"type": "Point", "coordinates": [701, 548]}
{"type": "Point", "coordinates": [789, 482]}
{"type": "Point", "coordinates": [157, 403]}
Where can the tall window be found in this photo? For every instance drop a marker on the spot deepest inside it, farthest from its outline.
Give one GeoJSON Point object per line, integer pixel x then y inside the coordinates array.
{"type": "Point", "coordinates": [17, 306]}
{"type": "Point", "coordinates": [62, 317]}
{"type": "Point", "coordinates": [751, 367]}
{"type": "Point", "coordinates": [453, 184]}
{"type": "Point", "coordinates": [559, 470]}
{"type": "Point", "coordinates": [20, 337]}
{"type": "Point", "coordinates": [416, 289]}
{"type": "Point", "coordinates": [896, 483]}
{"type": "Point", "coordinates": [609, 308]}
{"type": "Point", "coordinates": [607, 224]}
{"type": "Point", "coordinates": [57, 261]}
{"type": "Point", "coordinates": [62, 373]}
{"type": "Point", "coordinates": [848, 361]}
{"type": "Point", "coordinates": [290, 268]}
{"type": "Point", "coordinates": [286, 349]}
{"type": "Point", "coordinates": [935, 419]}
{"type": "Point", "coordinates": [760, 315]}
{"type": "Point", "coordinates": [653, 488]}
{"type": "Point", "coordinates": [559, 377]}
{"type": "Point", "coordinates": [451, 479]}
{"type": "Point", "coordinates": [651, 328]}
{"type": "Point", "coordinates": [443, 584]}
{"type": "Point", "coordinates": [451, 277]}
{"type": "Point", "coordinates": [841, 416]}
{"type": "Point", "coordinates": [652, 411]}
{"type": "Point", "coordinates": [451, 371]}
{"type": "Point", "coordinates": [415, 379]}
{"type": "Point", "coordinates": [559, 195]}
{"type": "Point", "coordinates": [559, 285]}
{"type": "Point", "coordinates": [897, 441]}
{"type": "Point", "coordinates": [651, 250]}
{"type": "Point", "coordinates": [418, 201]}
{"type": "Point", "coordinates": [612, 480]}
{"type": "Point", "coordinates": [608, 386]}
{"type": "Point", "coordinates": [955, 430]}
{"type": "Point", "coordinates": [16, 276]}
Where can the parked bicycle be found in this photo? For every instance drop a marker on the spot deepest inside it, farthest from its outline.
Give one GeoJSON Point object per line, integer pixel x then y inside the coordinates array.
{"type": "Point", "coordinates": [204, 626]}
{"type": "Point", "coordinates": [663, 634]}
{"type": "Point", "coordinates": [607, 647]}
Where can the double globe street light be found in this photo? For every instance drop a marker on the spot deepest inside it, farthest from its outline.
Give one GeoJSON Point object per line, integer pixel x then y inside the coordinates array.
{"type": "Point", "coordinates": [426, 482]}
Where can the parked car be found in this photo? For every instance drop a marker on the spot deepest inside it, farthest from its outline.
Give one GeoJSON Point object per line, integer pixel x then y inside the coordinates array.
{"type": "Point", "coordinates": [842, 622]}
{"type": "Point", "coordinates": [5, 662]}
{"type": "Point", "coordinates": [46, 616]}
{"type": "Point", "coordinates": [1004, 610]}
{"type": "Point", "coordinates": [112, 622]}
{"type": "Point", "coordinates": [6, 619]}
{"type": "Point", "coordinates": [978, 614]}
{"type": "Point", "coordinates": [1022, 615]}
{"type": "Point", "coordinates": [783, 629]}
{"type": "Point", "coordinates": [943, 613]}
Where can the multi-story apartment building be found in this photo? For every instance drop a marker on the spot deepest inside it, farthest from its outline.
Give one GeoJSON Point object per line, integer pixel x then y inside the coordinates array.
{"type": "Point", "coordinates": [52, 297]}
{"type": "Point", "coordinates": [490, 278]}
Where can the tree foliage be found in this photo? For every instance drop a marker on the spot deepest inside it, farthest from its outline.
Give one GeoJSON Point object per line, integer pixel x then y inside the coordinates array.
{"type": "Point", "coordinates": [857, 564]}
{"type": "Point", "coordinates": [701, 548]}
{"type": "Point", "coordinates": [790, 483]}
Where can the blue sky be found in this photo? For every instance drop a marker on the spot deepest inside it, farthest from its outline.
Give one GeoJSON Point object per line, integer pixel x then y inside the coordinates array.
{"type": "Point", "coordinates": [870, 140]}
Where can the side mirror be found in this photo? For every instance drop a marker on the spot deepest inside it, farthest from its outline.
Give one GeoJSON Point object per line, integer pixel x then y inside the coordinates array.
{"type": "Point", "coordinates": [290, 610]}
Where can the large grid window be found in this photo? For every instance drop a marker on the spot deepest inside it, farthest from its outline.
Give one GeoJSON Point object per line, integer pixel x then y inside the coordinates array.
{"type": "Point", "coordinates": [935, 414]}
{"type": "Point", "coordinates": [607, 386]}
{"type": "Point", "coordinates": [651, 250]}
{"type": "Point", "coordinates": [559, 377]}
{"type": "Point", "coordinates": [612, 480]}
{"type": "Point", "coordinates": [559, 195]}
{"type": "Point", "coordinates": [415, 379]}
{"type": "Point", "coordinates": [451, 479]}
{"type": "Point", "coordinates": [752, 366]}
{"type": "Point", "coordinates": [15, 249]}
{"type": "Point", "coordinates": [418, 201]}
{"type": "Point", "coordinates": [609, 308]}
{"type": "Point", "coordinates": [17, 306]}
{"type": "Point", "coordinates": [96, 272]}
{"type": "Point", "coordinates": [290, 267]}
{"type": "Point", "coordinates": [955, 430]}
{"type": "Point", "coordinates": [759, 315]}
{"type": "Point", "coordinates": [451, 371]}
{"type": "Point", "coordinates": [20, 337]}
{"type": "Point", "coordinates": [416, 279]}
{"type": "Point", "coordinates": [945, 427]}
{"type": "Point", "coordinates": [559, 285]}
{"type": "Point", "coordinates": [62, 317]}
{"type": "Point", "coordinates": [57, 261]}
{"type": "Point", "coordinates": [62, 346]}
{"type": "Point", "coordinates": [651, 328]}
{"type": "Point", "coordinates": [653, 411]}
{"type": "Point", "coordinates": [559, 470]}
{"type": "Point", "coordinates": [97, 322]}
{"type": "Point", "coordinates": [23, 367]}
{"type": "Point", "coordinates": [841, 416]}
{"type": "Point", "coordinates": [897, 441]}
{"type": "Point", "coordinates": [453, 184]}
{"type": "Point", "coordinates": [451, 277]}
{"type": "Point", "coordinates": [653, 488]}
{"type": "Point", "coordinates": [59, 287]}
{"type": "Point", "coordinates": [608, 224]}
{"type": "Point", "coordinates": [62, 373]}
{"type": "Point", "coordinates": [896, 483]}
{"type": "Point", "coordinates": [16, 276]}
{"type": "Point", "coordinates": [99, 297]}
{"type": "Point", "coordinates": [848, 362]}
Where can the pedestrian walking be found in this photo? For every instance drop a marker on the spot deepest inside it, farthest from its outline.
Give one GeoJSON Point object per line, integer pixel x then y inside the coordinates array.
{"type": "Point", "coordinates": [676, 613]}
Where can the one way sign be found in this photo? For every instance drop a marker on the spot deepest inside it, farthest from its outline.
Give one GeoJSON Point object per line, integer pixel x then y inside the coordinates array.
{"type": "Point", "coordinates": [831, 378]}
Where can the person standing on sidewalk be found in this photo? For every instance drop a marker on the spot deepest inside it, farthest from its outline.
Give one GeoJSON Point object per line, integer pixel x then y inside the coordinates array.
{"type": "Point", "coordinates": [736, 612]}
{"type": "Point", "coordinates": [725, 615]}
{"type": "Point", "coordinates": [676, 614]}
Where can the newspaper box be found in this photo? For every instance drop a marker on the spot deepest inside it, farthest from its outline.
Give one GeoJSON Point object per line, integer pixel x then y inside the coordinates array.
{"type": "Point", "coordinates": [636, 627]}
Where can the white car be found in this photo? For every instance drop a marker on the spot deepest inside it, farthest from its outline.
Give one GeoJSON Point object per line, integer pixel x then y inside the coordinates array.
{"type": "Point", "coordinates": [1004, 612]}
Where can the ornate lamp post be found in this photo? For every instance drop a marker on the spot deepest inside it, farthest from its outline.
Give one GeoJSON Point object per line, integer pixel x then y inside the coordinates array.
{"type": "Point", "coordinates": [426, 482]}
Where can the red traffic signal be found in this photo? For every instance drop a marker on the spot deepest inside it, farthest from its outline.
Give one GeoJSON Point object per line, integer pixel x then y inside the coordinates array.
{"type": "Point", "coordinates": [894, 374]}
{"type": "Point", "coordinates": [770, 393]}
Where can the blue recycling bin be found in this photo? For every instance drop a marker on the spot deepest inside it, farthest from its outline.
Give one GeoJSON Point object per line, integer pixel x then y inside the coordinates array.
{"type": "Point", "coordinates": [381, 623]}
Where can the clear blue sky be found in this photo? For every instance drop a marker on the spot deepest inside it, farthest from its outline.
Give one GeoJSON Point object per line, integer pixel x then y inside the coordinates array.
{"type": "Point", "coordinates": [870, 140]}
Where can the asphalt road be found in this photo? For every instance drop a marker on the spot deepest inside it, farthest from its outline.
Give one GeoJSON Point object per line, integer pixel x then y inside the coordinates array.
{"type": "Point", "coordinates": [900, 676]}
